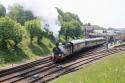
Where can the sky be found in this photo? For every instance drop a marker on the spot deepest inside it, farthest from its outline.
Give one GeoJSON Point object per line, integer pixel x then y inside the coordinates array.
{"type": "Point", "coordinates": [105, 13]}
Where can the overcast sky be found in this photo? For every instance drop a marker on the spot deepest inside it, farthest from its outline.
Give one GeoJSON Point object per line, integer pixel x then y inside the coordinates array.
{"type": "Point", "coordinates": [106, 13]}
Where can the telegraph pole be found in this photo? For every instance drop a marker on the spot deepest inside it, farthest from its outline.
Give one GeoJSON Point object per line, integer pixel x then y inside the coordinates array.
{"type": "Point", "coordinates": [85, 33]}
{"type": "Point", "coordinates": [107, 40]}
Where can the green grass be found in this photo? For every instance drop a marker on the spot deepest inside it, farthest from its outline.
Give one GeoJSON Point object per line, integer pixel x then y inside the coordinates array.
{"type": "Point", "coordinates": [109, 70]}
{"type": "Point", "coordinates": [25, 51]}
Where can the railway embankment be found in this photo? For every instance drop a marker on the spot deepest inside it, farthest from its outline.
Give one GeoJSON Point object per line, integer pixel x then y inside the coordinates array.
{"type": "Point", "coordinates": [24, 53]}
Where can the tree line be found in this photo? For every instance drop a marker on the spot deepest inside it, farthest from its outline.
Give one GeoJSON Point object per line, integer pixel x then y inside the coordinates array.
{"type": "Point", "coordinates": [19, 24]}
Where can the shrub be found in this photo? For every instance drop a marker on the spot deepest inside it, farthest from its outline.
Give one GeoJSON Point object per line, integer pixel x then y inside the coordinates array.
{"type": "Point", "coordinates": [10, 30]}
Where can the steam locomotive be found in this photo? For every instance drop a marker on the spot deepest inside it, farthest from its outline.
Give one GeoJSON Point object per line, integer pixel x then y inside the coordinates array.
{"type": "Point", "coordinates": [61, 51]}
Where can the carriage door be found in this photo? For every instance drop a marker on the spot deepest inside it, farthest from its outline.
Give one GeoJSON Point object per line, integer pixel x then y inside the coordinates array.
{"type": "Point", "coordinates": [71, 48]}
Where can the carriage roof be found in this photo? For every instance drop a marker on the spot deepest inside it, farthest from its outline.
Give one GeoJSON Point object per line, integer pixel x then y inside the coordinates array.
{"type": "Point", "coordinates": [85, 40]}
{"type": "Point", "coordinates": [78, 41]}
{"type": "Point", "coordinates": [94, 39]}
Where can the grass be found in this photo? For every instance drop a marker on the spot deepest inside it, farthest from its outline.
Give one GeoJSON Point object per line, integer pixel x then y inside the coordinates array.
{"type": "Point", "coordinates": [25, 51]}
{"type": "Point", "coordinates": [109, 70]}
{"type": "Point", "coordinates": [45, 47]}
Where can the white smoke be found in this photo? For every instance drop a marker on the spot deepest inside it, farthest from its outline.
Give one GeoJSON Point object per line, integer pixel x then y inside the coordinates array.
{"type": "Point", "coordinates": [41, 8]}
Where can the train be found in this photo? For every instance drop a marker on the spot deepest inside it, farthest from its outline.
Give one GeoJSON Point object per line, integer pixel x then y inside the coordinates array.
{"type": "Point", "coordinates": [62, 50]}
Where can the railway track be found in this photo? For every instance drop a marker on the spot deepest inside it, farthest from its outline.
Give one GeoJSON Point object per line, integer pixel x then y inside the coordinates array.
{"type": "Point", "coordinates": [44, 70]}
{"type": "Point", "coordinates": [53, 73]}
{"type": "Point", "coordinates": [24, 66]}
{"type": "Point", "coordinates": [23, 71]}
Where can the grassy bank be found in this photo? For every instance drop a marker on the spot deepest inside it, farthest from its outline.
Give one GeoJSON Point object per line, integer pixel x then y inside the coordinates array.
{"type": "Point", "coordinates": [25, 51]}
{"type": "Point", "coordinates": [109, 70]}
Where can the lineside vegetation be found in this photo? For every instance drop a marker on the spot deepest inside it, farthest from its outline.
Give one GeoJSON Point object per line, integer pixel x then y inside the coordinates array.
{"type": "Point", "coordinates": [22, 36]}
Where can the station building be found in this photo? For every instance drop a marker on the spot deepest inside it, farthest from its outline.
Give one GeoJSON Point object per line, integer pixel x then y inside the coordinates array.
{"type": "Point", "coordinates": [89, 32]}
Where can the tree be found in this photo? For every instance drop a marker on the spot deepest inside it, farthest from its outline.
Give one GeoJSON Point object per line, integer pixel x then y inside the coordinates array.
{"type": "Point", "coordinates": [2, 10]}
{"type": "Point", "coordinates": [34, 29]}
{"type": "Point", "coordinates": [49, 34]}
{"type": "Point", "coordinates": [20, 15]}
{"type": "Point", "coordinates": [10, 30]}
{"type": "Point", "coordinates": [71, 26]}
{"type": "Point", "coordinates": [28, 15]}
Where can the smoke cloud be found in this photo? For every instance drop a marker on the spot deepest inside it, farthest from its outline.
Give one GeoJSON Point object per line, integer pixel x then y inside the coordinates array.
{"type": "Point", "coordinates": [40, 8]}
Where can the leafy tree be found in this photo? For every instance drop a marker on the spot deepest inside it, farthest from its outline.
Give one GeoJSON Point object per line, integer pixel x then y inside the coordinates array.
{"type": "Point", "coordinates": [20, 15]}
{"type": "Point", "coordinates": [28, 15]}
{"type": "Point", "coordinates": [2, 10]}
{"type": "Point", "coordinates": [71, 26]}
{"type": "Point", "coordinates": [10, 31]}
{"type": "Point", "coordinates": [34, 29]}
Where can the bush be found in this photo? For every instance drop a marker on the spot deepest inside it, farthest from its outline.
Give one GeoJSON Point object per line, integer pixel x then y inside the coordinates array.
{"type": "Point", "coordinates": [10, 30]}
